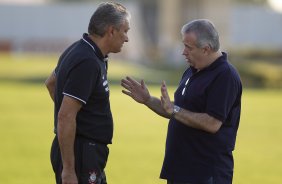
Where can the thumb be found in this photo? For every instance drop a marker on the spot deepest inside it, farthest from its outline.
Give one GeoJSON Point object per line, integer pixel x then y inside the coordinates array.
{"type": "Point", "coordinates": [143, 85]}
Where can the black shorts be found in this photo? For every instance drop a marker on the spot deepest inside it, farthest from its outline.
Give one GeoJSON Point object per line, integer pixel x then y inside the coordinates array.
{"type": "Point", "coordinates": [90, 161]}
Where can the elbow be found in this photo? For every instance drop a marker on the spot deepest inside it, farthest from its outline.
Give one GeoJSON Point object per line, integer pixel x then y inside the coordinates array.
{"type": "Point", "coordinates": [48, 84]}
{"type": "Point", "coordinates": [213, 130]}
{"type": "Point", "coordinates": [215, 127]}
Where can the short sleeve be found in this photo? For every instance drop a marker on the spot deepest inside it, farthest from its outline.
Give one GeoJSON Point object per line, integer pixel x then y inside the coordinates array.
{"type": "Point", "coordinates": [81, 80]}
{"type": "Point", "coordinates": [221, 95]}
{"type": "Point", "coordinates": [55, 71]}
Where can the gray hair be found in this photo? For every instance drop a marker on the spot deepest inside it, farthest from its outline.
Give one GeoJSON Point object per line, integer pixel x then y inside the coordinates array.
{"type": "Point", "coordinates": [205, 32]}
{"type": "Point", "coordinates": [107, 14]}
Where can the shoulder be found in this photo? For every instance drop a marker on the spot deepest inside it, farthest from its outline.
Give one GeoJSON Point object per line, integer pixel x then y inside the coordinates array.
{"type": "Point", "coordinates": [228, 75]}
{"type": "Point", "coordinates": [224, 67]}
{"type": "Point", "coordinates": [84, 55]}
{"type": "Point", "coordinates": [78, 62]}
{"type": "Point", "coordinates": [231, 71]}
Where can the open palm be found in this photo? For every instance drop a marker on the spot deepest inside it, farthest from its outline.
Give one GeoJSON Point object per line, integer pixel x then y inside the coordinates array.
{"type": "Point", "coordinates": [134, 89]}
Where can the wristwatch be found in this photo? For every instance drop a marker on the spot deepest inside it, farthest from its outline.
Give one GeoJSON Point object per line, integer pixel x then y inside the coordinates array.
{"type": "Point", "coordinates": [176, 109]}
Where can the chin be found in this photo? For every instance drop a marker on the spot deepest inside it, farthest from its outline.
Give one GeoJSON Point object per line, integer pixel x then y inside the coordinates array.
{"type": "Point", "coordinates": [117, 50]}
{"type": "Point", "coordinates": [191, 64]}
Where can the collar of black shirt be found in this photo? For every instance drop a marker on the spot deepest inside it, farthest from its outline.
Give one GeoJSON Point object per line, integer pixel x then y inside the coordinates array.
{"type": "Point", "coordinates": [96, 48]}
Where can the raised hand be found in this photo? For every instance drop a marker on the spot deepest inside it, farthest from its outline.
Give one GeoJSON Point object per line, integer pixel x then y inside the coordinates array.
{"type": "Point", "coordinates": [167, 105]}
{"type": "Point", "coordinates": [134, 89]}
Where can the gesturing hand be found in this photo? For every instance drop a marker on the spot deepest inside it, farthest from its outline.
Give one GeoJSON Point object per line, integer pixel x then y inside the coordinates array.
{"type": "Point", "coordinates": [165, 100]}
{"type": "Point", "coordinates": [137, 91]}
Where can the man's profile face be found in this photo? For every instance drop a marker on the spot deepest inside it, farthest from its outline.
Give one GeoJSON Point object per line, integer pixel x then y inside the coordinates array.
{"type": "Point", "coordinates": [192, 53]}
{"type": "Point", "coordinates": [120, 36]}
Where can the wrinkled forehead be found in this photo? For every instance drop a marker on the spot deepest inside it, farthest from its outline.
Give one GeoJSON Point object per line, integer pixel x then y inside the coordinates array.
{"type": "Point", "coordinates": [125, 24]}
{"type": "Point", "coordinates": [189, 38]}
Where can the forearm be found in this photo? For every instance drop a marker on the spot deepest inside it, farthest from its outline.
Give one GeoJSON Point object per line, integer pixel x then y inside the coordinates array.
{"type": "Point", "coordinates": [66, 137]}
{"type": "Point", "coordinates": [155, 105]}
{"type": "Point", "coordinates": [201, 121]}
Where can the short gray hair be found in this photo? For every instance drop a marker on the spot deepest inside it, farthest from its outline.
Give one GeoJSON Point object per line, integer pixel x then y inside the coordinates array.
{"type": "Point", "coordinates": [107, 14]}
{"type": "Point", "coordinates": [205, 32]}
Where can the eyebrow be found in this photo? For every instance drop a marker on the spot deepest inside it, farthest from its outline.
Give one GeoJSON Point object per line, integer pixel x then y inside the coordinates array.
{"type": "Point", "coordinates": [186, 45]}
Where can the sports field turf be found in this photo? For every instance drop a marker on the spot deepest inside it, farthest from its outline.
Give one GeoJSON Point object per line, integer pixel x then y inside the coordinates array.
{"type": "Point", "coordinates": [26, 121]}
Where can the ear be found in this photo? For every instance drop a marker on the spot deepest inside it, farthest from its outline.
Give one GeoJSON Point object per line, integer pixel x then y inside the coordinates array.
{"type": "Point", "coordinates": [207, 49]}
{"type": "Point", "coordinates": [110, 30]}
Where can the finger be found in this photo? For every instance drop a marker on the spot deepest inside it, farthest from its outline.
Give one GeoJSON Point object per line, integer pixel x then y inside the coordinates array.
{"type": "Point", "coordinates": [143, 85]}
{"type": "Point", "coordinates": [164, 93]}
{"type": "Point", "coordinates": [133, 81]}
{"type": "Point", "coordinates": [164, 90]}
{"type": "Point", "coordinates": [162, 101]}
{"type": "Point", "coordinates": [163, 85]}
{"type": "Point", "coordinates": [127, 93]}
{"type": "Point", "coordinates": [125, 81]}
{"type": "Point", "coordinates": [126, 86]}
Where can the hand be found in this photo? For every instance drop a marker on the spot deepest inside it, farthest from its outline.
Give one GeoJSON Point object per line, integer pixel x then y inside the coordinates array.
{"type": "Point", "coordinates": [137, 91]}
{"type": "Point", "coordinates": [69, 177]}
{"type": "Point", "coordinates": [165, 100]}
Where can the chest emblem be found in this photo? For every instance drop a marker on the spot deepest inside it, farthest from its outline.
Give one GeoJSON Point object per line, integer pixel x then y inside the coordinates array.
{"type": "Point", "coordinates": [92, 178]}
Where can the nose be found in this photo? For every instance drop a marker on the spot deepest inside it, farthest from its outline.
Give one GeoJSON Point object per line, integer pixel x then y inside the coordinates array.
{"type": "Point", "coordinates": [184, 53]}
{"type": "Point", "coordinates": [126, 39]}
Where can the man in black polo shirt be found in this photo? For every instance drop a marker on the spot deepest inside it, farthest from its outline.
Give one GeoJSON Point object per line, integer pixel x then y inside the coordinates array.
{"type": "Point", "coordinates": [79, 88]}
{"type": "Point", "coordinates": [205, 114]}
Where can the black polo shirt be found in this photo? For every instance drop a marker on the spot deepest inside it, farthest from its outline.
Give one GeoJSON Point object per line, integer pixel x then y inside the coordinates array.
{"type": "Point", "coordinates": [81, 73]}
{"type": "Point", "coordinates": [193, 155]}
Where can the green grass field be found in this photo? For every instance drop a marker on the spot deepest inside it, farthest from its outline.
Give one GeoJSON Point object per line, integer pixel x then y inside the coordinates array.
{"type": "Point", "coordinates": [26, 121]}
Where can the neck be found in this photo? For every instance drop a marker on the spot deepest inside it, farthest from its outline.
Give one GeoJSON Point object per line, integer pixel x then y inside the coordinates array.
{"type": "Point", "coordinates": [99, 41]}
{"type": "Point", "coordinates": [211, 58]}
{"type": "Point", "coordinates": [215, 56]}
